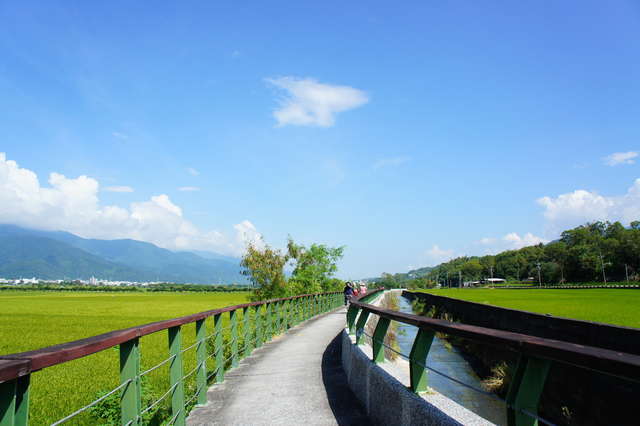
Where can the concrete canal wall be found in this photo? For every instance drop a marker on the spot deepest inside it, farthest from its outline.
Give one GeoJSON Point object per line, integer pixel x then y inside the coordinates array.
{"type": "Point", "coordinates": [383, 391]}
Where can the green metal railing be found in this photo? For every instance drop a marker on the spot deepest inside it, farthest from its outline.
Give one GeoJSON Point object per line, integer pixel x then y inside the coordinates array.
{"type": "Point", "coordinates": [260, 322]}
{"type": "Point", "coordinates": [535, 356]}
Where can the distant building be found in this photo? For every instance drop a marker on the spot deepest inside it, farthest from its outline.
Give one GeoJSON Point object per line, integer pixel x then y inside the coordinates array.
{"type": "Point", "coordinates": [494, 280]}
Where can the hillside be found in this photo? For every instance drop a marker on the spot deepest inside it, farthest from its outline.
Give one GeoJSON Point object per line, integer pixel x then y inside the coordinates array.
{"type": "Point", "coordinates": [58, 255]}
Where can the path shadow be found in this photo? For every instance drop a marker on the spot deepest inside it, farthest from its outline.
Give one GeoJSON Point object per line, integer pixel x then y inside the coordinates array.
{"type": "Point", "coordinates": [346, 408]}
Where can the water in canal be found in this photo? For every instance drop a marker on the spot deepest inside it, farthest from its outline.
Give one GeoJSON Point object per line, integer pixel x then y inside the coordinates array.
{"type": "Point", "coordinates": [451, 363]}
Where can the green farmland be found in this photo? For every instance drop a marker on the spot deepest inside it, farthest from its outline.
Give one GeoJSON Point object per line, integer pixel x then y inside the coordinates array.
{"type": "Point", "coordinates": [31, 320]}
{"type": "Point", "coordinates": [612, 306]}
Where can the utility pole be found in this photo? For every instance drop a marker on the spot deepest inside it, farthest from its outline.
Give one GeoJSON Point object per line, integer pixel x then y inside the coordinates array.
{"type": "Point", "coordinates": [626, 272]}
{"type": "Point", "coordinates": [448, 282]}
{"type": "Point", "coordinates": [604, 277]}
{"type": "Point", "coordinates": [460, 279]}
{"type": "Point", "coordinates": [539, 279]}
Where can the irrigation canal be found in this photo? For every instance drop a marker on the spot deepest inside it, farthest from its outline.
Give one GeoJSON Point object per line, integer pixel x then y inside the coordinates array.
{"type": "Point", "coordinates": [449, 361]}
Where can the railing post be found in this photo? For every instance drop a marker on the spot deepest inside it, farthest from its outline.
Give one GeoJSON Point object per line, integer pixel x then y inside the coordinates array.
{"type": "Point", "coordinates": [352, 313]}
{"type": "Point", "coordinates": [307, 307]}
{"type": "Point", "coordinates": [8, 392]}
{"type": "Point", "coordinates": [378, 339]}
{"type": "Point", "coordinates": [218, 348]}
{"type": "Point", "coordinates": [276, 313]}
{"type": "Point", "coordinates": [362, 321]}
{"type": "Point", "coordinates": [22, 401]}
{"type": "Point", "coordinates": [525, 390]}
{"type": "Point", "coordinates": [418, 359]}
{"type": "Point", "coordinates": [287, 314]}
{"type": "Point", "coordinates": [14, 402]}
{"type": "Point", "coordinates": [269, 322]}
{"type": "Point", "coordinates": [130, 397]}
{"type": "Point", "coordinates": [233, 319]}
{"type": "Point", "coordinates": [296, 312]}
{"type": "Point", "coordinates": [201, 355]}
{"type": "Point", "coordinates": [258, 322]}
{"type": "Point", "coordinates": [246, 350]}
{"type": "Point", "coordinates": [175, 375]}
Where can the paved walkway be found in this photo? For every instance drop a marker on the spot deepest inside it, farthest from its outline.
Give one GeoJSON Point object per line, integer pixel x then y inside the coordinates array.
{"type": "Point", "coordinates": [294, 379]}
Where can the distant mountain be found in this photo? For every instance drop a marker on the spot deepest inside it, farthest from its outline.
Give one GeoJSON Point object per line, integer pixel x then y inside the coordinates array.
{"type": "Point", "coordinates": [57, 255]}
{"type": "Point", "coordinates": [405, 276]}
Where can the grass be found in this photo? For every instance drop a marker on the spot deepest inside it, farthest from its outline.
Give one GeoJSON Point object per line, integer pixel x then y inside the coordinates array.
{"type": "Point", "coordinates": [31, 320]}
{"type": "Point", "coordinates": [612, 306]}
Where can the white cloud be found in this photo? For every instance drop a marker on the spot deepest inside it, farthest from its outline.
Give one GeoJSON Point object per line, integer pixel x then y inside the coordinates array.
{"type": "Point", "coordinates": [578, 207]}
{"type": "Point", "coordinates": [510, 241]}
{"type": "Point", "coordinates": [188, 188]}
{"type": "Point", "coordinates": [72, 204]}
{"type": "Point", "coordinates": [118, 189]}
{"type": "Point", "coordinates": [618, 158]}
{"type": "Point", "coordinates": [515, 241]}
{"type": "Point", "coordinates": [192, 171]}
{"type": "Point", "coordinates": [437, 255]}
{"type": "Point", "coordinates": [390, 162]}
{"type": "Point", "coordinates": [309, 103]}
{"type": "Point", "coordinates": [246, 233]}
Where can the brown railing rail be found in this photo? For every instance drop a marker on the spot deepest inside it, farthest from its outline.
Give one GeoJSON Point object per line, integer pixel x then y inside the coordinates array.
{"type": "Point", "coordinates": [536, 354]}
{"type": "Point", "coordinates": [270, 318]}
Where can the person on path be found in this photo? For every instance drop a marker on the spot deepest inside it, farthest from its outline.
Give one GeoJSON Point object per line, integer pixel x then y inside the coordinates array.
{"type": "Point", "coordinates": [348, 292]}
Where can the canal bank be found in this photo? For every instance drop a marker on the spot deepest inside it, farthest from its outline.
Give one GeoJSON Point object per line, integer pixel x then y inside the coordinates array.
{"type": "Point", "coordinates": [447, 360]}
{"type": "Point", "coordinates": [571, 395]}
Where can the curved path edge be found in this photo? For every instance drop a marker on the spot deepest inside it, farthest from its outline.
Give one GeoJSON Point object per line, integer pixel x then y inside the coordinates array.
{"type": "Point", "coordinates": [295, 378]}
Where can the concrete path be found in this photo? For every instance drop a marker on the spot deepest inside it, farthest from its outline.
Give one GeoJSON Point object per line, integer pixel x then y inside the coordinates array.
{"type": "Point", "coordinates": [294, 379]}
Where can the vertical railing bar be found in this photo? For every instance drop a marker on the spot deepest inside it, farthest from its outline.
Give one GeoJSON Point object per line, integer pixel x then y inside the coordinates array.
{"type": "Point", "coordinates": [218, 348]}
{"type": "Point", "coordinates": [130, 397]}
{"type": "Point", "coordinates": [8, 392]}
{"type": "Point", "coordinates": [233, 319]}
{"type": "Point", "coordinates": [22, 401]}
{"type": "Point", "coordinates": [378, 339]}
{"type": "Point", "coordinates": [258, 326]}
{"type": "Point", "coordinates": [418, 359]}
{"type": "Point", "coordinates": [175, 375]}
{"type": "Point", "coordinates": [201, 355]}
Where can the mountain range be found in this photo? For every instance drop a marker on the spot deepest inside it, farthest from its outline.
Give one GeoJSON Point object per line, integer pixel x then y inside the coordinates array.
{"type": "Point", "coordinates": [26, 253]}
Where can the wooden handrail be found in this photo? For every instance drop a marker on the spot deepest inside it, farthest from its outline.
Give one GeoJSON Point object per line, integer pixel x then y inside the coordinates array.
{"type": "Point", "coordinates": [606, 361]}
{"type": "Point", "coordinates": [20, 364]}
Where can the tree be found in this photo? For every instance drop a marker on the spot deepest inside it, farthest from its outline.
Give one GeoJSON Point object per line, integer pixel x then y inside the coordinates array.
{"type": "Point", "coordinates": [558, 253]}
{"type": "Point", "coordinates": [472, 268]}
{"type": "Point", "coordinates": [314, 267]}
{"type": "Point", "coordinates": [265, 269]}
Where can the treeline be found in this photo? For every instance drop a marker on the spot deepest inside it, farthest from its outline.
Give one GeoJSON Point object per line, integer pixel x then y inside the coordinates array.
{"type": "Point", "coordinates": [171, 287]}
{"type": "Point", "coordinates": [595, 252]}
{"type": "Point", "coordinates": [313, 269]}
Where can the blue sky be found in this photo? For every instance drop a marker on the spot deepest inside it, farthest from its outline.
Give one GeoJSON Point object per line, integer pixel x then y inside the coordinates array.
{"type": "Point", "coordinates": [409, 133]}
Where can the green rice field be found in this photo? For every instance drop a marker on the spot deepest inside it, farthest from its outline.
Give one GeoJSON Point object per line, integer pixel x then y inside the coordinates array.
{"type": "Point", "coordinates": [31, 320]}
{"type": "Point", "coordinates": [612, 306]}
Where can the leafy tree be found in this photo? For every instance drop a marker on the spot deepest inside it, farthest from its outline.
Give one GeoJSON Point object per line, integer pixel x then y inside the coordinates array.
{"type": "Point", "coordinates": [314, 267]}
{"type": "Point", "coordinates": [265, 269]}
{"type": "Point", "coordinates": [313, 270]}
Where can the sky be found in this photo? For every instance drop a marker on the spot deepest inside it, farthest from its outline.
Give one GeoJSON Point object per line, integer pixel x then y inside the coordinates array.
{"type": "Point", "coordinates": [407, 132]}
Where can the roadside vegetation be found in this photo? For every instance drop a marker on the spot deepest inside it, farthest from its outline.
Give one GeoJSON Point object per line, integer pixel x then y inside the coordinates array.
{"type": "Point", "coordinates": [32, 320]}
